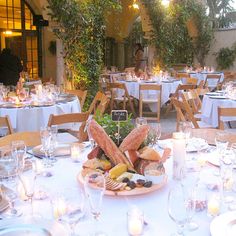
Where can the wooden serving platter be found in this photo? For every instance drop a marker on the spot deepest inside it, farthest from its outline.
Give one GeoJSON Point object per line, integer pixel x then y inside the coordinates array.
{"type": "Point", "coordinates": [134, 192]}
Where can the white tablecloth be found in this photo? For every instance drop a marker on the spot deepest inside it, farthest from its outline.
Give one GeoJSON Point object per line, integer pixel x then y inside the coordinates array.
{"type": "Point", "coordinates": [167, 89]}
{"type": "Point", "coordinates": [113, 217]}
{"type": "Point", "coordinates": [31, 119]}
{"type": "Point", "coordinates": [210, 109]}
{"type": "Point", "coordinates": [202, 77]}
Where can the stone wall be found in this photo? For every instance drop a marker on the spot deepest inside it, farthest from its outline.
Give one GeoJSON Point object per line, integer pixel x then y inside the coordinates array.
{"type": "Point", "coordinates": [223, 38]}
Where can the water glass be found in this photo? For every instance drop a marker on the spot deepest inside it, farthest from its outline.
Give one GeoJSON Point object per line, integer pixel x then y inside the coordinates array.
{"type": "Point", "coordinates": [140, 121]}
{"type": "Point", "coordinates": [18, 149]}
{"type": "Point", "coordinates": [221, 142]}
{"type": "Point", "coordinates": [177, 209]}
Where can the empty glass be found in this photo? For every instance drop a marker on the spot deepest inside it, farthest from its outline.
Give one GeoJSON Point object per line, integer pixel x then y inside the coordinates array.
{"type": "Point", "coordinates": [177, 209]}
{"type": "Point", "coordinates": [140, 121]}
{"type": "Point", "coordinates": [94, 186]}
{"type": "Point", "coordinates": [18, 149]}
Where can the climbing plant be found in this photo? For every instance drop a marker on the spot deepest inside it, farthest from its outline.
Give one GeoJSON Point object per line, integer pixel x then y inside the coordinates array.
{"type": "Point", "coordinates": [81, 28]}
{"type": "Point", "coordinates": [171, 34]}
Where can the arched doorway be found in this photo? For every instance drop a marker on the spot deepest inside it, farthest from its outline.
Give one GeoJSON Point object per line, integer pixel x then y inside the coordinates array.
{"type": "Point", "coordinates": [18, 32]}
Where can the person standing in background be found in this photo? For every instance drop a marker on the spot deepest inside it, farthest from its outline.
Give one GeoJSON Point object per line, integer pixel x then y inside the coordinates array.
{"type": "Point", "coordinates": [140, 62]}
{"type": "Point", "coordinates": [10, 67]}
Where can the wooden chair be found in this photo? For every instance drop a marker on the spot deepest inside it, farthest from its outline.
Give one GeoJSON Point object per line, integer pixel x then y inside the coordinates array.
{"type": "Point", "coordinates": [80, 94]}
{"type": "Point", "coordinates": [192, 80]}
{"type": "Point", "coordinates": [143, 99]}
{"type": "Point", "coordinates": [113, 87]}
{"type": "Point", "coordinates": [215, 78]}
{"type": "Point", "coordinates": [182, 76]}
{"type": "Point", "coordinates": [184, 113]}
{"type": "Point", "coordinates": [225, 112]}
{"type": "Point", "coordinates": [177, 94]}
{"type": "Point", "coordinates": [71, 118]}
{"type": "Point", "coordinates": [31, 139]}
{"type": "Point", "coordinates": [179, 67]}
{"type": "Point", "coordinates": [99, 103]}
{"type": "Point", "coordinates": [5, 122]}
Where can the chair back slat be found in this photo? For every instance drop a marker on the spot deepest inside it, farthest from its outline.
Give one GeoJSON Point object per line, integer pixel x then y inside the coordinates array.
{"type": "Point", "coordinates": [81, 94]}
{"type": "Point", "coordinates": [5, 122]}
{"type": "Point", "coordinates": [225, 112]}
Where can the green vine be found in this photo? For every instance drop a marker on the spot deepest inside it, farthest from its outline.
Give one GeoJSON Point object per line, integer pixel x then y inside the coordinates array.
{"type": "Point", "coordinates": [225, 58]}
{"type": "Point", "coordinates": [170, 34]}
{"type": "Point", "coordinates": [81, 27]}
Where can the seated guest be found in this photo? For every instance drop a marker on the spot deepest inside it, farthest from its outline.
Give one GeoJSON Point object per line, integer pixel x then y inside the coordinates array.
{"type": "Point", "coordinates": [10, 67]}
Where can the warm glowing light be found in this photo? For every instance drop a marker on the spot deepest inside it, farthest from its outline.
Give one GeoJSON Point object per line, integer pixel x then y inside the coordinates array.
{"type": "Point", "coordinates": [8, 32]}
{"type": "Point", "coordinates": [135, 6]}
{"type": "Point", "coordinates": [165, 3]}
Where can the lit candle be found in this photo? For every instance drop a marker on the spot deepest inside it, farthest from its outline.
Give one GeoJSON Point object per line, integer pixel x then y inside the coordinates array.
{"type": "Point", "coordinates": [75, 151]}
{"type": "Point", "coordinates": [213, 206]}
{"type": "Point", "coordinates": [21, 192]}
{"type": "Point", "coordinates": [179, 154]}
{"type": "Point", "coordinates": [135, 222]}
{"type": "Point", "coordinates": [59, 208]}
{"type": "Point", "coordinates": [38, 167]}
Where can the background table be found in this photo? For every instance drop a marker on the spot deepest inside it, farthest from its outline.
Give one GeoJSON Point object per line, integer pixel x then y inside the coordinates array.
{"type": "Point", "coordinates": [210, 109]}
{"type": "Point", "coordinates": [31, 119]}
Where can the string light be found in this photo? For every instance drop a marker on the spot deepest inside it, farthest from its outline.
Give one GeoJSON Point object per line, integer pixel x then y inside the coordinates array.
{"type": "Point", "coordinates": [135, 5]}
{"type": "Point", "coordinates": [165, 3]}
{"type": "Point", "coordinates": [7, 32]}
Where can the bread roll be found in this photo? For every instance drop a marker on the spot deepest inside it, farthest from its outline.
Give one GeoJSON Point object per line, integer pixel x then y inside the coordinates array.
{"type": "Point", "coordinates": [150, 154]}
{"type": "Point", "coordinates": [135, 138]}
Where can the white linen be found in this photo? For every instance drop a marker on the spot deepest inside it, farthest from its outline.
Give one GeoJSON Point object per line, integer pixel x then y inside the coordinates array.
{"type": "Point", "coordinates": [113, 217]}
{"type": "Point", "coordinates": [210, 109]}
{"type": "Point", "coordinates": [167, 89]}
{"type": "Point", "coordinates": [31, 119]}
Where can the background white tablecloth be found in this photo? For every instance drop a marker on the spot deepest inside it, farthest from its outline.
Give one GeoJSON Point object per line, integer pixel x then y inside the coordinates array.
{"type": "Point", "coordinates": [167, 89]}
{"type": "Point", "coordinates": [210, 109]}
{"type": "Point", "coordinates": [31, 119]}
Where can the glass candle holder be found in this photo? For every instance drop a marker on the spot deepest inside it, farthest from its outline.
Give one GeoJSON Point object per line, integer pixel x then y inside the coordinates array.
{"type": "Point", "coordinates": [135, 219]}
{"type": "Point", "coordinates": [75, 152]}
{"type": "Point", "coordinates": [213, 205]}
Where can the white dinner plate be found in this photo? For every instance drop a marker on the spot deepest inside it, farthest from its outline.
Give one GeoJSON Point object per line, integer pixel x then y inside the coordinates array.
{"type": "Point", "coordinates": [32, 227]}
{"type": "Point", "coordinates": [218, 97]}
{"type": "Point", "coordinates": [224, 225]}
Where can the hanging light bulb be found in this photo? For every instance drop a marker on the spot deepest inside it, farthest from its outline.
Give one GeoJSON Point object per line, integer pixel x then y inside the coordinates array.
{"type": "Point", "coordinates": [165, 3]}
{"type": "Point", "coordinates": [135, 5]}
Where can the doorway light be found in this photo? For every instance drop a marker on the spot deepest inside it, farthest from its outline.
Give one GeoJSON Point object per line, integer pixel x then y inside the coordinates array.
{"type": "Point", "coordinates": [7, 32]}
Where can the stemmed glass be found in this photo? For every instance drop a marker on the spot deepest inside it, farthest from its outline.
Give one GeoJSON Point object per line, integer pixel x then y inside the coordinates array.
{"type": "Point", "coordinates": [140, 121]}
{"type": "Point", "coordinates": [9, 166]}
{"type": "Point", "coordinates": [48, 145]}
{"type": "Point", "coordinates": [27, 180]}
{"type": "Point", "coordinates": [91, 140]}
{"type": "Point", "coordinates": [177, 209]}
{"type": "Point", "coordinates": [94, 186]}
{"type": "Point", "coordinates": [18, 150]}
{"type": "Point", "coordinates": [155, 134]}
{"type": "Point", "coordinates": [74, 200]}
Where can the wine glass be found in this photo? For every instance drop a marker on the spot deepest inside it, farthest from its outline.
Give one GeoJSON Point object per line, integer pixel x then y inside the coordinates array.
{"type": "Point", "coordinates": [48, 145]}
{"type": "Point", "coordinates": [140, 121]}
{"type": "Point", "coordinates": [8, 166]}
{"type": "Point", "coordinates": [27, 180]}
{"type": "Point", "coordinates": [155, 134]}
{"type": "Point", "coordinates": [91, 140]}
{"type": "Point", "coordinates": [18, 149]}
{"type": "Point", "coordinates": [177, 209]}
{"type": "Point", "coordinates": [221, 142]}
{"type": "Point", "coordinates": [74, 201]}
{"type": "Point", "coordinates": [94, 186]}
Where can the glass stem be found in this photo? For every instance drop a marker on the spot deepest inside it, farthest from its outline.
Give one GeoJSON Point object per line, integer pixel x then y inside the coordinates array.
{"type": "Point", "coordinates": [180, 229]}
{"type": "Point", "coordinates": [31, 205]}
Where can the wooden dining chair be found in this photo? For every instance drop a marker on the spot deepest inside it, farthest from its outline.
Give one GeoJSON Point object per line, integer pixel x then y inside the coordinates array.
{"type": "Point", "coordinates": [181, 76]}
{"type": "Point", "coordinates": [192, 80]}
{"type": "Point", "coordinates": [80, 118]}
{"type": "Point", "coordinates": [31, 139]}
{"type": "Point", "coordinates": [5, 122]}
{"type": "Point", "coordinates": [225, 112]}
{"type": "Point", "coordinates": [177, 94]}
{"type": "Point", "coordinates": [99, 103]}
{"type": "Point", "coordinates": [156, 99]}
{"type": "Point", "coordinates": [215, 78]}
{"type": "Point", "coordinates": [184, 113]}
{"type": "Point", "coordinates": [124, 99]}
{"type": "Point", "coordinates": [81, 94]}
{"type": "Point", "coordinates": [192, 98]}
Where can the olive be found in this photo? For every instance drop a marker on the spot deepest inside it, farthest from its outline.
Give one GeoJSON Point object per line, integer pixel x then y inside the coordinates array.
{"type": "Point", "coordinates": [148, 184]}
{"type": "Point", "coordinates": [126, 180]}
{"type": "Point", "coordinates": [131, 184]}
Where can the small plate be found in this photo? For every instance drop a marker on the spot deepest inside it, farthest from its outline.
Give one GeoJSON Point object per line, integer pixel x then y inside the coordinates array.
{"type": "Point", "coordinates": [224, 224]}
{"type": "Point", "coordinates": [31, 226]}
{"type": "Point", "coordinates": [218, 97]}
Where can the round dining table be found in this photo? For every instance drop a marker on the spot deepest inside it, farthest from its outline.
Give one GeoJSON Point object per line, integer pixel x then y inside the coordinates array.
{"type": "Point", "coordinates": [210, 104]}
{"type": "Point", "coordinates": [32, 117]}
{"type": "Point", "coordinates": [113, 219]}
